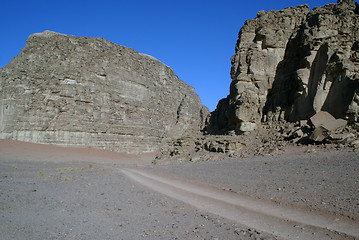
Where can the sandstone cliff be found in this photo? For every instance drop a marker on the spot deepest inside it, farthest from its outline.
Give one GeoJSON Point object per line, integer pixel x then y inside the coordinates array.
{"type": "Point", "coordinates": [291, 64]}
{"type": "Point", "coordinates": [78, 91]}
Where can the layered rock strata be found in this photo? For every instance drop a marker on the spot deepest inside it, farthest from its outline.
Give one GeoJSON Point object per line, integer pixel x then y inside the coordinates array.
{"type": "Point", "coordinates": [78, 91]}
{"type": "Point", "coordinates": [290, 65]}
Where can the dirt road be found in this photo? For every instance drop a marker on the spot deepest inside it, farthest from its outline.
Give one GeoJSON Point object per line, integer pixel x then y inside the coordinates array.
{"type": "Point", "coordinates": [287, 222]}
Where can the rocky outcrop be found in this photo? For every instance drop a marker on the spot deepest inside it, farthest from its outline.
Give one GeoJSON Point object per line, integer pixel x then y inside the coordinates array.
{"type": "Point", "coordinates": [78, 91]}
{"type": "Point", "coordinates": [290, 65]}
{"type": "Point", "coordinates": [191, 148]}
{"type": "Point", "coordinates": [322, 128]}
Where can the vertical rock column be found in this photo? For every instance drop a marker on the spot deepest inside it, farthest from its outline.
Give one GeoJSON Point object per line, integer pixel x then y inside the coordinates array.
{"type": "Point", "coordinates": [260, 48]}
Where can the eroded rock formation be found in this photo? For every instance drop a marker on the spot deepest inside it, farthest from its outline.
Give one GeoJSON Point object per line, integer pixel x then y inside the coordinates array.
{"type": "Point", "coordinates": [291, 64]}
{"type": "Point", "coordinates": [78, 91]}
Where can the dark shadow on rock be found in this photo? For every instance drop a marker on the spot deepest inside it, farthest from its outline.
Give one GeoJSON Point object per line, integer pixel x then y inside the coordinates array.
{"type": "Point", "coordinates": [220, 120]}
{"type": "Point", "coordinates": [337, 102]}
{"type": "Point", "coordinates": [285, 86]}
{"type": "Point", "coordinates": [328, 87]}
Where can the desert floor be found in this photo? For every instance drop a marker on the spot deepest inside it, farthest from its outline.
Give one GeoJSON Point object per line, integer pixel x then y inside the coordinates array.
{"type": "Point", "coordinates": [49, 192]}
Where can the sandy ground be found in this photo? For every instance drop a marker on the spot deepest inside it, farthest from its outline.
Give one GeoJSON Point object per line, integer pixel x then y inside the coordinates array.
{"type": "Point", "coordinates": [49, 192]}
{"type": "Point", "coordinates": [327, 180]}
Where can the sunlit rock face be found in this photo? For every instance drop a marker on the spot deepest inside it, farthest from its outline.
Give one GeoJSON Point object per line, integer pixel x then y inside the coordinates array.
{"type": "Point", "coordinates": [90, 92]}
{"type": "Point", "coordinates": [291, 64]}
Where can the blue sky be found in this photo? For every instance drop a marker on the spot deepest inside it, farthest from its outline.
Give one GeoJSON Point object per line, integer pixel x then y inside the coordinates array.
{"type": "Point", "coordinates": [196, 38]}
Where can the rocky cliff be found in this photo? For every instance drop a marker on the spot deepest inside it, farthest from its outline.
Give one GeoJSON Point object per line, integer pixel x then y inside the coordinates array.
{"type": "Point", "coordinates": [78, 91]}
{"type": "Point", "coordinates": [290, 65]}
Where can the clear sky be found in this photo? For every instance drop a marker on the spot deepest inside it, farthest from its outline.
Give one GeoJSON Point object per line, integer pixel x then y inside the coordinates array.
{"type": "Point", "coordinates": [196, 38]}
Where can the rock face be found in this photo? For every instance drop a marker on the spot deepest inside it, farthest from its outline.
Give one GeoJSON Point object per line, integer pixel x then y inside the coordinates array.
{"type": "Point", "coordinates": [290, 65]}
{"type": "Point", "coordinates": [78, 91]}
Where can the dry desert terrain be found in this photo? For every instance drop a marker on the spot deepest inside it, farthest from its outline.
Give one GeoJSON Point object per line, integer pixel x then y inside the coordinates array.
{"type": "Point", "coordinates": [49, 192]}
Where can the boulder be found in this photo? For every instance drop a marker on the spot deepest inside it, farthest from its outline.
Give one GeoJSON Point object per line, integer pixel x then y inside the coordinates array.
{"type": "Point", "coordinates": [327, 121]}
{"type": "Point", "coordinates": [326, 126]}
{"type": "Point", "coordinates": [321, 118]}
{"type": "Point", "coordinates": [335, 125]}
{"type": "Point", "coordinates": [355, 144]}
{"type": "Point", "coordinates": [341, 137]}
{"type": "Point", "coordinates": [319, 134]}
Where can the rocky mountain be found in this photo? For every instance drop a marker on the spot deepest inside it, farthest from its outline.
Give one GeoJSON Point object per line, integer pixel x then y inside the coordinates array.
{"type": "Point", "coordinates": [78, 91]}
{"type": "Point", "coordinates": [291, 64]}
{"type": "Point", "coordinates": [295, 76]}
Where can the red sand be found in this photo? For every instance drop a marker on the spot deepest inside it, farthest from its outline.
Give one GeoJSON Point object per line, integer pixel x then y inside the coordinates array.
{"type": "Point", "coordinates": [23, 151]}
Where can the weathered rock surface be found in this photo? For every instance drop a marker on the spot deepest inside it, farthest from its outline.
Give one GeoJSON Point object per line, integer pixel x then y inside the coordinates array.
{"type": "Point", "coordinates": [295, 81]}
{"type": "Point", "coordinates": [78, 91]}
{"type": "Point", "coordinates": [292, 64]}
{"type": "Point", "coordinates": [196, 147]}
{"type": "Point", "coordinates": [322, 128]}
{"type": "Point", "coordinates": [327, 121]}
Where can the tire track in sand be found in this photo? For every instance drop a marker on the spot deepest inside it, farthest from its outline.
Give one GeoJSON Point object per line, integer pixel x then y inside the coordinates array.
{"type": "Point", "coordinates": [283, 221]}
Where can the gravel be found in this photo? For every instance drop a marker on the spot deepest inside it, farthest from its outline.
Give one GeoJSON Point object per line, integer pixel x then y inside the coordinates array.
{"type": "Point", "coordinates": [64, 196]}
{"type": "Point", "coordinates": [327, 180]}
{"type": "Point", "coordinates": [95, 201]}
